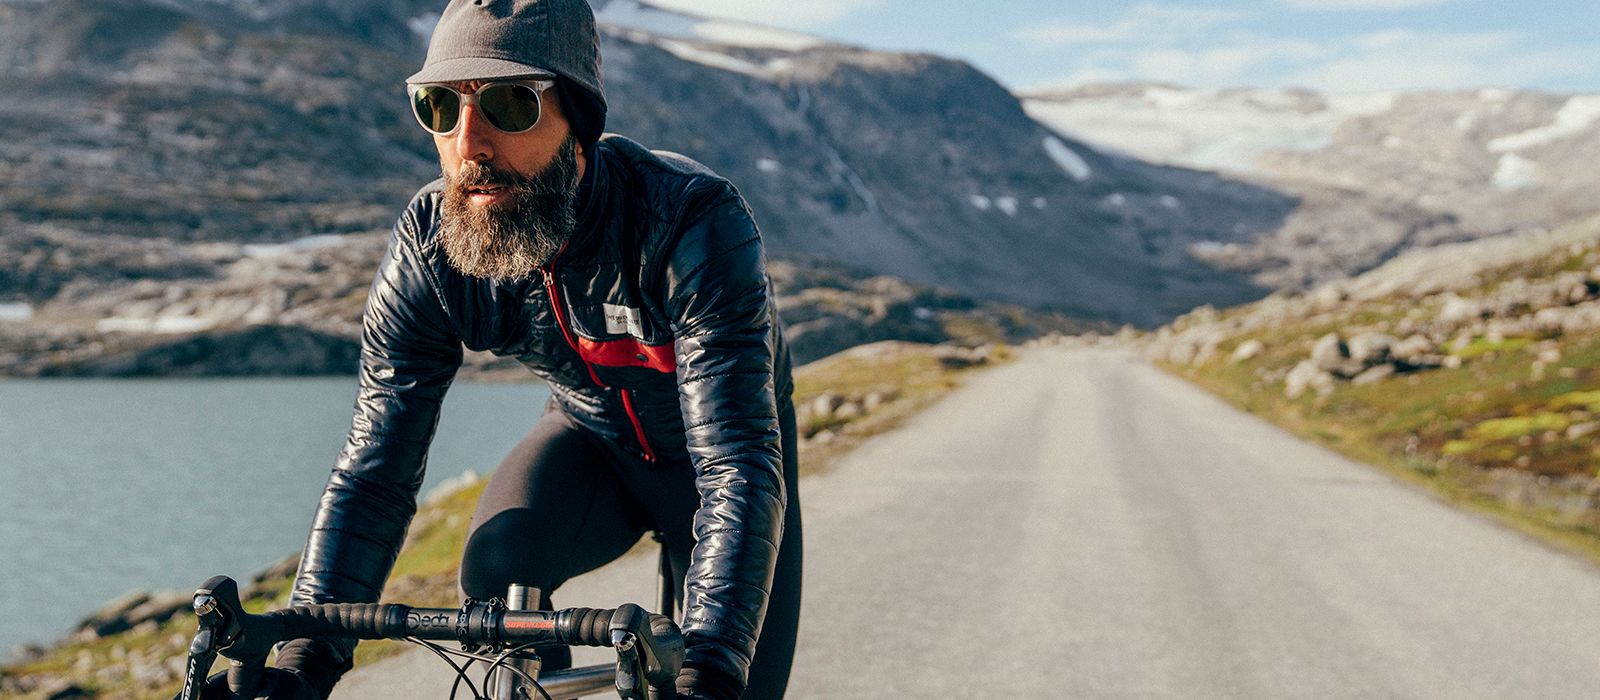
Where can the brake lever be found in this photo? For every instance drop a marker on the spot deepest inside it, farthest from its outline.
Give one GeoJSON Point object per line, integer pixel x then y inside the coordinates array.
{"type": "Point", "coordinates": [202, 652]}
{"type": "Point", "coordinates": [228, 630]}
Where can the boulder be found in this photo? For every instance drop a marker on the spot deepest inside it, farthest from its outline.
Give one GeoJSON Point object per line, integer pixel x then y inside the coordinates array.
{"type": "Point", "coordinates": [1369, 349]}
{"type": "Point", "coordinates": [1248, 350]}
{"type": "Point", "coordinates": [1459, 310]}
{"type": "Point", "coordinates": [1413, 347]}
{"type": "Point", "coordinates": [1579, 431]}
{"type": "Point", "coordinates": [1307, 376]}
{"type": "Point", "coordinates": [1329, 353]}
{"type": "Point", "coordinates": [1374, 375]}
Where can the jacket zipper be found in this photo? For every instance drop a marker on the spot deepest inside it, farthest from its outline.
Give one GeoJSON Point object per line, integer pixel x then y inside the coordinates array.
{"type": "Point", "coordinates": [572, 341]}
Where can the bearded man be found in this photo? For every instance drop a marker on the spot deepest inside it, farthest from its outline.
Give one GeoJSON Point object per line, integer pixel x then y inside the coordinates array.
{"type": "Point", "coordinates": [634, 283]}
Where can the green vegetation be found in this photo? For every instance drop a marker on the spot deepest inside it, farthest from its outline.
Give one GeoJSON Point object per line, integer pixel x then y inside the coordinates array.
{"type": "Point", "coordinates": [1510, 427]}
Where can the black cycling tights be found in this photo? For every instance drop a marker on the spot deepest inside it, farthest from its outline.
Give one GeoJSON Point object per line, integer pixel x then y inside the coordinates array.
{"type": "Point", "coordinates": [565, 502]}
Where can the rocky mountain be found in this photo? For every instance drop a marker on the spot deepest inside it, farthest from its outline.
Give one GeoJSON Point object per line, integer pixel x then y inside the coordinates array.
{"type": "Point", "coordinates": [1377, 173]}
{"type": "Point", "coordinates": [149, 143]}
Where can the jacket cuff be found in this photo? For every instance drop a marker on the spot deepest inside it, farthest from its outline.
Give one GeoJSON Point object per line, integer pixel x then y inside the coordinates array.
{"type": "Point", "coordinates": [321, 663]}
{"type": "Point", "coordinates": [705, 683]}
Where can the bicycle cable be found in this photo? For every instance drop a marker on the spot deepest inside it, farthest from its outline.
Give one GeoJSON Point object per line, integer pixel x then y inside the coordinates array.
{"type": "Point", "coordinates": [495, 662]}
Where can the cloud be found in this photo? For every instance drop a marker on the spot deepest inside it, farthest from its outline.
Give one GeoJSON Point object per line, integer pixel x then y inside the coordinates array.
{"type": "Point", "coordinates": [1408, 59]}
{"type": "Point", "coordinates": [1335, 5]}
{"type": "Point", "coordinates": [1142, 23]}
{"type": "Point", "coordinates": [793, 14]}
{"type": "Point", "coordinates": [1391, 59]}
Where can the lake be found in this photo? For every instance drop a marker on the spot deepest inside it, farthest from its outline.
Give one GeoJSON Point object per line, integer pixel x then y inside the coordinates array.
{"type": "Point", "coordinates": [108, 486]}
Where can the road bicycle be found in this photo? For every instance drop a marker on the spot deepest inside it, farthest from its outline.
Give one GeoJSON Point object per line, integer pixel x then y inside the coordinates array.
{"type": "Point", "coordinates": [499, 633]}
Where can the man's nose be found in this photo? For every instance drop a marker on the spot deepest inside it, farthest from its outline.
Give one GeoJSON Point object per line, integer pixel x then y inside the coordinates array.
{"type": "Point", "coordinates": [474, 136]}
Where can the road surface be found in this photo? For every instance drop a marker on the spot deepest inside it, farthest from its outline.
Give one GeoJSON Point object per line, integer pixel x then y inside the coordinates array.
{"type": "Point", "coordinates": [1079, 525]}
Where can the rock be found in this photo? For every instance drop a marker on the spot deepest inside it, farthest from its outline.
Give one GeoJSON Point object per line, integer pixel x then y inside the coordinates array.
{"type": "Point", "coordinates": [823, 406]}
{"type": "Point", "coordinates": [1306, 376]}
{"type": "Point", "coordinates": [1458, 310]}
{"type": "Point", "coordinates": [111, 619]}
{"type": "Point", "coordinates": [1248, 350]}
{"type": "Point", "coordinates": [1329, 353]}
{"type": "Point", "coordinates": [1578, 431]}
{"type": "Point", "coordinates": [160, 607]}
{"type": "Point", "coordinates": [878, 399]}
{"type": "Point", "coordinates": [1452, 362]}
{"type": "Point", "coordinates": [849, 410]}
{"type": "Point", "coordinates": [1412, 347]}
{"type": "Point", "coordinates": [1369, 349]}
{"type": "Point", "coordinates": [1374, 375]}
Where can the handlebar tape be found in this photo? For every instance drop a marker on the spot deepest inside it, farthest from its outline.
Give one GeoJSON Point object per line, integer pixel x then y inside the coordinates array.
{"type": "Point", "coordinates": [584, 627]}
{"type": "Point", "coordinates": [355, 620]}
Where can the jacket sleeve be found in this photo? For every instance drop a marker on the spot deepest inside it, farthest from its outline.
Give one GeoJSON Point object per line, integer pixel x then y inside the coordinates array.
{"type": "Point", "coordinates": [409, 355]}
{"type": "Point", "coordinates": [722, 313]}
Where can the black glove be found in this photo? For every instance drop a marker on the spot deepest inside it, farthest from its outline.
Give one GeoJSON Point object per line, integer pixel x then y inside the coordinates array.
{"type": "Point", "coordinates": [276, 684]}
{"type": "Point", "coordinates": [695, 683]}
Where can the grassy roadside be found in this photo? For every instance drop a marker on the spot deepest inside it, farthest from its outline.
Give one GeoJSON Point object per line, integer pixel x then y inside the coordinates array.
{"type": "Point", "coordinates": [1491, 436]}
{"type": "Point", "coordinates": [886, 383]}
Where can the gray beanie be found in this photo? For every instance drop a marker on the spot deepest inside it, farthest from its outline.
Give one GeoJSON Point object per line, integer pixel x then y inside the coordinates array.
{"type": "Point", "coordinates": [496, 39]}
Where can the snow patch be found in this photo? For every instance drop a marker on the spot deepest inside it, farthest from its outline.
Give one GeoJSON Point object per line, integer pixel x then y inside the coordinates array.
{"type": "Point", "coordinates": [643, 17]}
{"type": "Point", "coordinates": [981, 202]}
{"type": "Point", "coordinates": [1170, 201]}
{"type": "Point", "coordinates": [1117, 199]}
{"type": "Point", "coordinates": [1515, 173]}
{"type": "Point", "coordinates": [1226, 130]}
{"type": "Point", "coordinates": [1392, 142]}
{"type": "Point", "coordinates": [15, 312]}
{"type": "Point", "coordinates": [1069, 160]}
{"type": "Point", "coordinates": [1040, 203]}
{"type": "Point", "coordinates": [273, 250]}
{"type": "Point", "coordinates": [706, 57]}
{"type": "Point", "coordinates": [161, 325]}
{"type": "Point", "coordinates": [1207, 248]}
{"type": "Point", "coordinates": [1576, 116]}
{"type": "Point", "coordinates": [1007, 205]}
{"type": "Point", "coordinates": [768, 165]}
{"type": "Point", "coordinates": [1466, 120]}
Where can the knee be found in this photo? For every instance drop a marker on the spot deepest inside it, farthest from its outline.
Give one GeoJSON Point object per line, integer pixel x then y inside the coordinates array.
{"type": "Point", "coordinates": [502, 551]}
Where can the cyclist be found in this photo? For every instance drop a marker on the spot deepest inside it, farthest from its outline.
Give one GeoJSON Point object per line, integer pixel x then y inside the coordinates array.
{"type": "Point", "coordinates": [634, 283]}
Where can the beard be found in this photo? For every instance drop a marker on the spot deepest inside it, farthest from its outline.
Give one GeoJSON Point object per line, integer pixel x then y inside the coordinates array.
{"type": "Point", "coordinates": [510, 240]}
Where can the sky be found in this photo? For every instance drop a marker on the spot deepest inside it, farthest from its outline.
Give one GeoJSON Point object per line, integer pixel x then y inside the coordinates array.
{"type": "Point", "coordinates": [1332, 45]}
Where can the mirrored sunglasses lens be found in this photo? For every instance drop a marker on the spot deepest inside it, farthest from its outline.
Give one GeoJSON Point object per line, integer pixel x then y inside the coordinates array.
{"type": "Point", "coordinates": [510, 107]}
{"type": "Point", "coordinates": [437, 108]}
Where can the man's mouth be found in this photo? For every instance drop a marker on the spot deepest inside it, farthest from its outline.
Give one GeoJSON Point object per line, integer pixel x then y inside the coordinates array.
{"type": "Point", "coordinates": [482, 195]}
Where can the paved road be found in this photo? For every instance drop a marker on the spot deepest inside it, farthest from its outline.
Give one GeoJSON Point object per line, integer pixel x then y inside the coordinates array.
{"type": "Point", "coordinates": [1077, 524]}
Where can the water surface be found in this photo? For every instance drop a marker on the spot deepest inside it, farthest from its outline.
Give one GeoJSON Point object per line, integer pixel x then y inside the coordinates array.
{"type": "Point", "coordinates": [108, 486]}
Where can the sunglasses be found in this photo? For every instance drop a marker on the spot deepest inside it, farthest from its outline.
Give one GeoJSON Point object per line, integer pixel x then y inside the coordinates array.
{"type": "Point", "coordinates": [512, 106]}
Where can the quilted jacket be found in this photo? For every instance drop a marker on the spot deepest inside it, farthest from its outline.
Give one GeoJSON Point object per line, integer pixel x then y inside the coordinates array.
{"type": "Point", "coordinates": [655, 328]}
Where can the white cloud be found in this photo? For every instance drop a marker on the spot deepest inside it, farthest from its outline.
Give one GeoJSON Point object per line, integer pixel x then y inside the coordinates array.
{"type": "Point", "coordinates": [1405, 59]}
{"type": "Point", "coordinates": [1142, 23]}
{"type": "Point", "coordinates": [795, 14]}
{"type": "Point", "coordinates": [1396, 59]}
{"type": "Point", "coordinates": [1331, 5]}
{"type": "Point", "coordinates": [1235, 63]}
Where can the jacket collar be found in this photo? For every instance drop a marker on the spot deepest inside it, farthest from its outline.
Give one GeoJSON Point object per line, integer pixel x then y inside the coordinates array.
{"type": "Point", "coordinates": [593, 194]}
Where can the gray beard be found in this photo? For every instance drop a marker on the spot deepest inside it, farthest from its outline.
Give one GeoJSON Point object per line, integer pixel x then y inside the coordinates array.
{"type": "Point", "coordinates": [511, 240]}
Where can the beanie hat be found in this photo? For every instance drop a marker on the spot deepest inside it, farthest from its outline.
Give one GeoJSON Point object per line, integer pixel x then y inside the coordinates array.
{"type": "Point", "coordinates": [502, 39]}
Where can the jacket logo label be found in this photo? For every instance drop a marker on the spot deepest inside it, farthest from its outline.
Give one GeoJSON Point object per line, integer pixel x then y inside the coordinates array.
{"type": "Point", "coordinates": [623, 319]}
